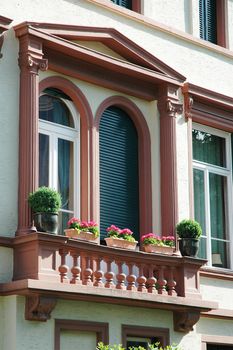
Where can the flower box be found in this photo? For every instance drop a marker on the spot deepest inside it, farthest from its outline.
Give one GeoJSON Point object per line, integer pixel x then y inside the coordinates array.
{"type": "Point", "coordinates": [153, 248]}
{"type": "Point", "coordinates": [81, 235]}
{"type": "Point", "coordinates": [120, 243]}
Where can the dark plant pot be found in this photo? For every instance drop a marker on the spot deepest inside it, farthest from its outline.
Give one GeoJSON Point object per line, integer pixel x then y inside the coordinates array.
{"type": "Point", "coordinates": [46, 222]}
{"type": "Point", "coordinates": [189, 246]}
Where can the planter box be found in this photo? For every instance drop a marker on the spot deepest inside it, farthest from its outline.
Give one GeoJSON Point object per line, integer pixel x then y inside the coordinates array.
{"type": "Point", "coordinates": [120, 243]}
{"type": "Point", "coordinates": [81, 235]}
{"type": "Point", "coordinates": [152, 248]}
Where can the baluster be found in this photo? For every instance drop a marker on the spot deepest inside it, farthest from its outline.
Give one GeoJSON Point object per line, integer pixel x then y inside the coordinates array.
{"type": "Point", "coordinates": [131, 279]}
{"type": "Point", "coordinates": [97, 272]}
{"type": "Point", "coordinates": [161, 281]}
{"type": "Point", "coordinates": [151, 281]}
{"type": "Point", "coordinates": [63, 268]}
{"type": "Point", "coordinates": [87, 271]}
{"type": "Point", "coordinates": [76, 269]}
{"type": "Point", "coordinates": [141, 280]}
{"type": "Point", "coordinates": [109, 275]}
{"type": "Point", "coordinates": [120, 276]}
{"type": "Point", "coordinates": [171, 282]}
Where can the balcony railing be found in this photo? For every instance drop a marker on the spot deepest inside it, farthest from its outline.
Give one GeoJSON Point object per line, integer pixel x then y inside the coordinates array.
{"type": "Point", "coordinates": [66, 268]}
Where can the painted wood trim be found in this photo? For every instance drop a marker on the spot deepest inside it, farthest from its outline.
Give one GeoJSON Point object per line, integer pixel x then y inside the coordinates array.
{"type": "Point", "coordinates": [216, 339]}
{"type": "Point", "coordinates": [86, 144]}
{"type": "Point", "coordinates": [221, 23]}
{"type": "Point", "coordinates": [144, 150]}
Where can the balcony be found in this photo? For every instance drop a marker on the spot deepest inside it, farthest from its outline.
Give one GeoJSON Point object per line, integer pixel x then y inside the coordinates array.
{"type": "Point", "coordinates": [47, 267]}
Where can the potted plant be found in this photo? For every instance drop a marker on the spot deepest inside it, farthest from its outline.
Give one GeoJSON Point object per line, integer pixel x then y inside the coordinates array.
{"type": "Point", "coordinates": [45, 203]}
{"type": "Point", "coordinates": [189, 232]}
{"type": "Point", "coordinates": [152, 243]}
{"type": "Point", "coordinates": [83, 230]}
{"type": "Point", "coordinates": [120, 238]}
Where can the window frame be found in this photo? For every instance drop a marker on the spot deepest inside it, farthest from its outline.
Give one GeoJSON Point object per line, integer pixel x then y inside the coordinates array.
{"type": "Point", "coordinates": [57, 131]}
{"type": "Point", "coordinates": [223, 171]}
{"type": "Point", "coordinates": [145, 332]}
{"type": "Point", "coordinates": [215, 340]}
{"type": "Point", "coordinates": [221, 28]}
{"type": "Point", "coordinates": [136, 6]}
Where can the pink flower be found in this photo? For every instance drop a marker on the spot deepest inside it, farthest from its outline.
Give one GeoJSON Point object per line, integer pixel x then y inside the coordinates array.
{"type": "Point", "coordinates": [92, 223]}
{"type": "Point", "coordinates": [148, 235]}
{"type": "Point", "coordinates": [84, 224]}
{"type": "Point", "coordinates": [72, 221]}
{"type": "Point", "coordinates": [126, 231]}
{"type": "Point", "coordinates": [113, 228]}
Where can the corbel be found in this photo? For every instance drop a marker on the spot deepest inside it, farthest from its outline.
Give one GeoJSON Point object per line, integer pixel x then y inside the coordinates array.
{"type": "Point", "coordinates": [39, 308]}
{"type": "Point", "coordinates": [4, 25]}
{"type": "Point", "coordinates": [168, 102]}
{"type": "Point", "coordinates": [185, 320]}
{"type": "Point", "coordinates": [188, 102]}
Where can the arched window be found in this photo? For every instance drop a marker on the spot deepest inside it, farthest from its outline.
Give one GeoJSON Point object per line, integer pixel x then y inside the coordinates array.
{"type": "Point", "coordinates": [119, 176]}
{"type": "Point", "coordinates": [59, 150]}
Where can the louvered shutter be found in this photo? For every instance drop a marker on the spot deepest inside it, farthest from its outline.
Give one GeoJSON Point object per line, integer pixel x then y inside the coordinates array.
{"type": "Point", "coordinates": [208, 20]}
{"type": "Point", "coordinates": [124, 3]}
{"type": "Point", "coordinates": [119, 194]}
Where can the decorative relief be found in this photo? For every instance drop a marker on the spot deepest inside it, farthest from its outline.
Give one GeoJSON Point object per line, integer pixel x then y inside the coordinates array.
{"type": "Point", "coordinates": [39, 308]}
{"type": "Point", "coordinates": [185, 320]}
{"type": "Point", "coordinates": [188, 103]}
{"type": "Point", "coordinates": [33, 64]}
{"type": "Point", "coordinates": [170, 107]}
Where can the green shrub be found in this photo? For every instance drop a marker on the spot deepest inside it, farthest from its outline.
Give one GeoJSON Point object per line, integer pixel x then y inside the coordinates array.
{"type": "Point", "coordinates": [156, 346]}
{"type": "Point", "coordinates": [189, 229]}
{"type": "Point", "coordinates": [45, 200]}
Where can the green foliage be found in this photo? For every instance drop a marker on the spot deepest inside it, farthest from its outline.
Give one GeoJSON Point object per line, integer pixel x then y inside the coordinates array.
{"type": "Point", "coordinates": [189, 229]}
{"type": "Point", "coordinates": [45, 200]}
{"type": "Point", "coordinates": [156, 346]}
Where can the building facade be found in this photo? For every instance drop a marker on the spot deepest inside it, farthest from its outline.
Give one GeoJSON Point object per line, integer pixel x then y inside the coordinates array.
{"type": "Point", "coordinates": [126, 108]}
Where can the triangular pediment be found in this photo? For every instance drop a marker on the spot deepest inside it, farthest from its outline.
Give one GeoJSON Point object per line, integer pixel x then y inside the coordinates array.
{"type": "Point", "coordinates": [118, 44]}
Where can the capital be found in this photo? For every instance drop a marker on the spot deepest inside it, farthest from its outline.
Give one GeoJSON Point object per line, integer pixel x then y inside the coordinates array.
{"type": "Point", "coordinates": [32, 64]}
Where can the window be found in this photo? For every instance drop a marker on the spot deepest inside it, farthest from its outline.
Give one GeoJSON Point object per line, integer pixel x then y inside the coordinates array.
{"type": "Point", "coordinates": [212, 21]}
{"type": "Point", "coordinates": [119, 177]}
{"type": "Point", "coordinates": [143, 336]}
{"type": "Point", "coordinates": [219, 347]}
{"type": "Point", "coordinates": [124, 3]}
{"type": "Point", "coordinates": [212, 193]}
{"type": "Point", "coordinates": [59, 150]}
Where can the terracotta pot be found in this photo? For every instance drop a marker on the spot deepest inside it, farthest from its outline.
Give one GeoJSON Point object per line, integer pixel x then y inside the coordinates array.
{"type": "Point", "coordinates": [81, 235]}
{"type": "Point", "coordinates": [46, 222]}
{"type": "Point", "coordinates": [120, 243]}
{"type": "Point", "coordinates": [153, 248]}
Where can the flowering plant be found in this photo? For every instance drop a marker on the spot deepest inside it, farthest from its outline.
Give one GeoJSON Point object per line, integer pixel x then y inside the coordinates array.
{"type": "Point", "coordinates": [86, 226]}
{"type": "Point", "coordinates": [116, 232]}
{"type": "Point", "coordinates": [164, 241]}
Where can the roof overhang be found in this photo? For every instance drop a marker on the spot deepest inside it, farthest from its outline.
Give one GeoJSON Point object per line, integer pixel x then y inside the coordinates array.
{"type": "Point", "coordinates": [138, 73]}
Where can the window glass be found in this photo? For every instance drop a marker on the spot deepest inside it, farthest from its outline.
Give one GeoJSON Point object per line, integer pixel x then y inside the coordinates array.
{"type": "Point", "coordinates": [43, 160]}
{"type": "Point", "coordinates": [211, 196]}
{"type": "Point", "coordinates": [124, 3]}
{"type": "Point", "coordinates": [209, 148]}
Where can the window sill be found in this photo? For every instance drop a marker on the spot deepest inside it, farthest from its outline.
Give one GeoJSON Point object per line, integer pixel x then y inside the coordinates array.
{"type": "Point", "coordinates": [215, 272]}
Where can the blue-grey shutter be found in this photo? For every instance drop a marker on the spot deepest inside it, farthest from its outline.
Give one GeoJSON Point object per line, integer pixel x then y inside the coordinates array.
{"type": "Point", "coordinates": [124, 3]}
{"type": "Point", "coordinates": [208, 20]}
{"type": "Point", "coordinates": [119, 180]}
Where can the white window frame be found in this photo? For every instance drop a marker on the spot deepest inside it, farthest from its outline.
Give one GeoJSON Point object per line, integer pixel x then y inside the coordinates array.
{"type": "Point", "coordinates": [223, 171]}
{"type": "Point", "coordinates": [56, 131]}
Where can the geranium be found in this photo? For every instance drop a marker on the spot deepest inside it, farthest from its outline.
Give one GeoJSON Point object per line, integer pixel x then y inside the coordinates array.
{"type": "Point", "coordinates": [115, 231]}
{"type": "Point", "coordinates": [151, 238]}
{"type": "Point", "coordinates": [74, 223]}
{"type": "Point", "coordinates": [87, 226]}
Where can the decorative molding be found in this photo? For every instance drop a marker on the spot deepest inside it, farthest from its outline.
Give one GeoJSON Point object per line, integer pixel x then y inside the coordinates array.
{"type": "Point", "coordinates": [224, 314]}
{"type": "Point", "coordinates": [39, 308]}
{"type": "Point", "coordinates": [33, 64]}
{"type": "Point", "coordinates": [185, 320]}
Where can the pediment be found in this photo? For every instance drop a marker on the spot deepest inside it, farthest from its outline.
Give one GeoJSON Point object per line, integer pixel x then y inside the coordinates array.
{"type": "Point", "coordinates": [102, 56]}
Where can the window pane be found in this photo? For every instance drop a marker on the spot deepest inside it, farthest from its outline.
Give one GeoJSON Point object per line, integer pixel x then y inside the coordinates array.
{"type": "Point", "coordinates": [219, 253]}
{"type": "Point", "coordinates": [64, 217]}
{"type": "Point", "coordinates": [55, 110]}
{"type": "Point", "coordinates": [209, 148]}
{"type": "Point", "coordinates": [43, 160]}
{"type": "Point", "coordinates": [202, 248]}
{"type": "Point", "coordinates": [217, 185]}
{"type": "Point", "coordinates": [65, 173]}
{"type": "Point", "coordinates": [199, 198]}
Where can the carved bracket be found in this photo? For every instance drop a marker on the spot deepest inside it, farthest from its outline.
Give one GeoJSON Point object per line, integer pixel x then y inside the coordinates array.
{"type": "Point", "coordinates": [169, 107]}
{"type": "Point", "coordinates": [188, 102]}
{"type": "Point", "coordinates": [4, 24]}
{"type": "Point", "coordinates": [185, 320]}
{"type": "Point", "coordinates": [39, 308]}
{"type": "Point", "coordinates": [33, 64]}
